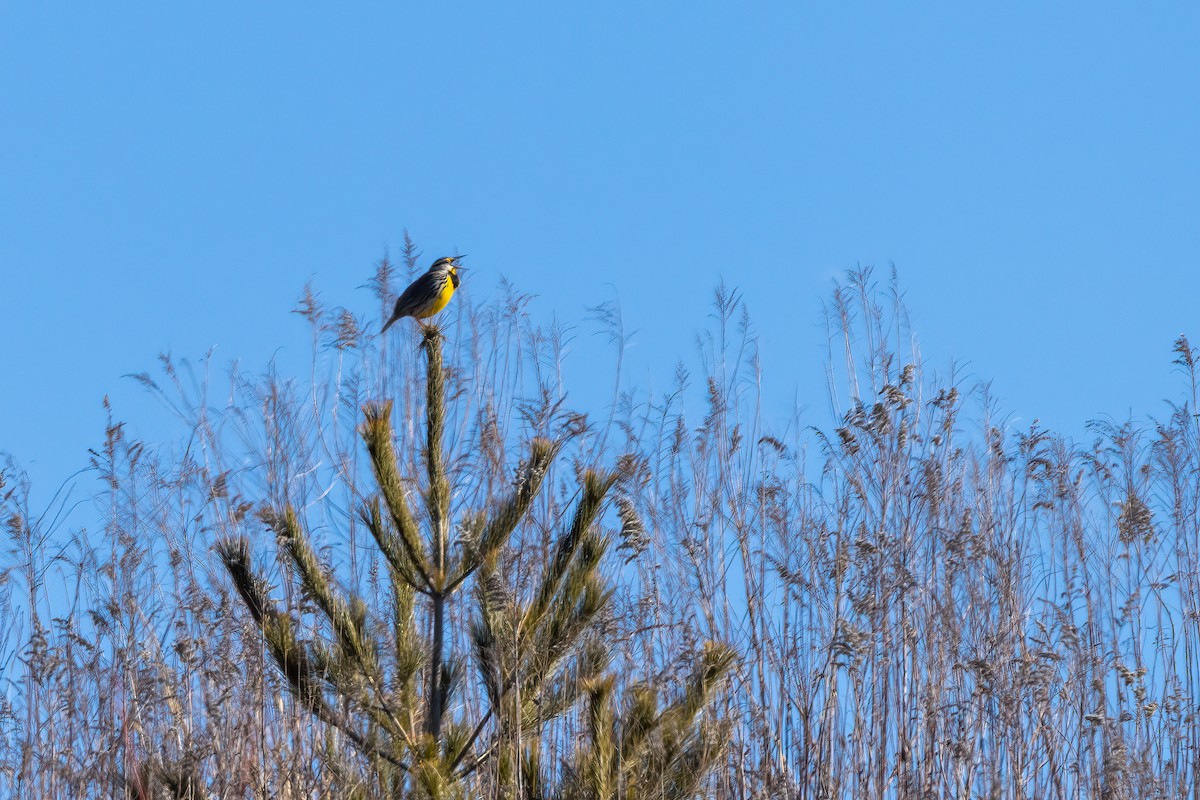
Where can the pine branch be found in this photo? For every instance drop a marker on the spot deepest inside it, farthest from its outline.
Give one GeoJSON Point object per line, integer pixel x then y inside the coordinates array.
{"type": "Point", "coordinates": [376, 431]}
{"type": "Point", "coordinates": [595, 485]}
{"type": "Point", "coordinates": [509, 512]}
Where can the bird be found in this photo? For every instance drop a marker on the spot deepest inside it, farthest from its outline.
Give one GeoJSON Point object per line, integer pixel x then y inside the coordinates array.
{"type": "Point", "coordinates": [428, 294]}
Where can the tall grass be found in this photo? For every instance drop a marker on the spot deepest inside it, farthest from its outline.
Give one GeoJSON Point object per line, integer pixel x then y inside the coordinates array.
{"type": "Point", "coordinates": [926, 602]}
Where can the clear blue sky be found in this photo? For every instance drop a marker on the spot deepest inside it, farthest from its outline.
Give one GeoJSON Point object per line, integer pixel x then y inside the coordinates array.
{"type": "Point", "coordinates": [171, 175]}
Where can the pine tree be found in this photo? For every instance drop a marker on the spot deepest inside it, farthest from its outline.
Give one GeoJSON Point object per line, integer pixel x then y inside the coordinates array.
{"type": "Point", "coordinates": [388, 690]}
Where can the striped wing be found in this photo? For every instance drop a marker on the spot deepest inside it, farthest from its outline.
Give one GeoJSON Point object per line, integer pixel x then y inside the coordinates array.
{"type": "Point", "coordinates": [415, 296]}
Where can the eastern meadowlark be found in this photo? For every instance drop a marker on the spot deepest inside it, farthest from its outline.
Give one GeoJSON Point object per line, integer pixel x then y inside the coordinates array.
{"type": "Point", "coordinates": [428, 294]}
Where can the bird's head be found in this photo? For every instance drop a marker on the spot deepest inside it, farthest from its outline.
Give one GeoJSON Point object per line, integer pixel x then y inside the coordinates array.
{"type": "Point", "coordinates": [448, 264]}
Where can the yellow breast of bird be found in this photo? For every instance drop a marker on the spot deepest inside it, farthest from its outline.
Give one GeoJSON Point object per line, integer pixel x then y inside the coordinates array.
{"type": "Point", "coordinates": [439, 301]}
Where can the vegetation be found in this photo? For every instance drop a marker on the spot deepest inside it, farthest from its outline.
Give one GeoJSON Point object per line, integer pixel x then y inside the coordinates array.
{"type": "Point", "coordinates": [420, 575]}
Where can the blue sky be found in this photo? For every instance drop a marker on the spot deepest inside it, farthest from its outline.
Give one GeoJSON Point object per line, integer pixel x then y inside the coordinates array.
{"type": "Point", "coordinates": [171, 175]}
